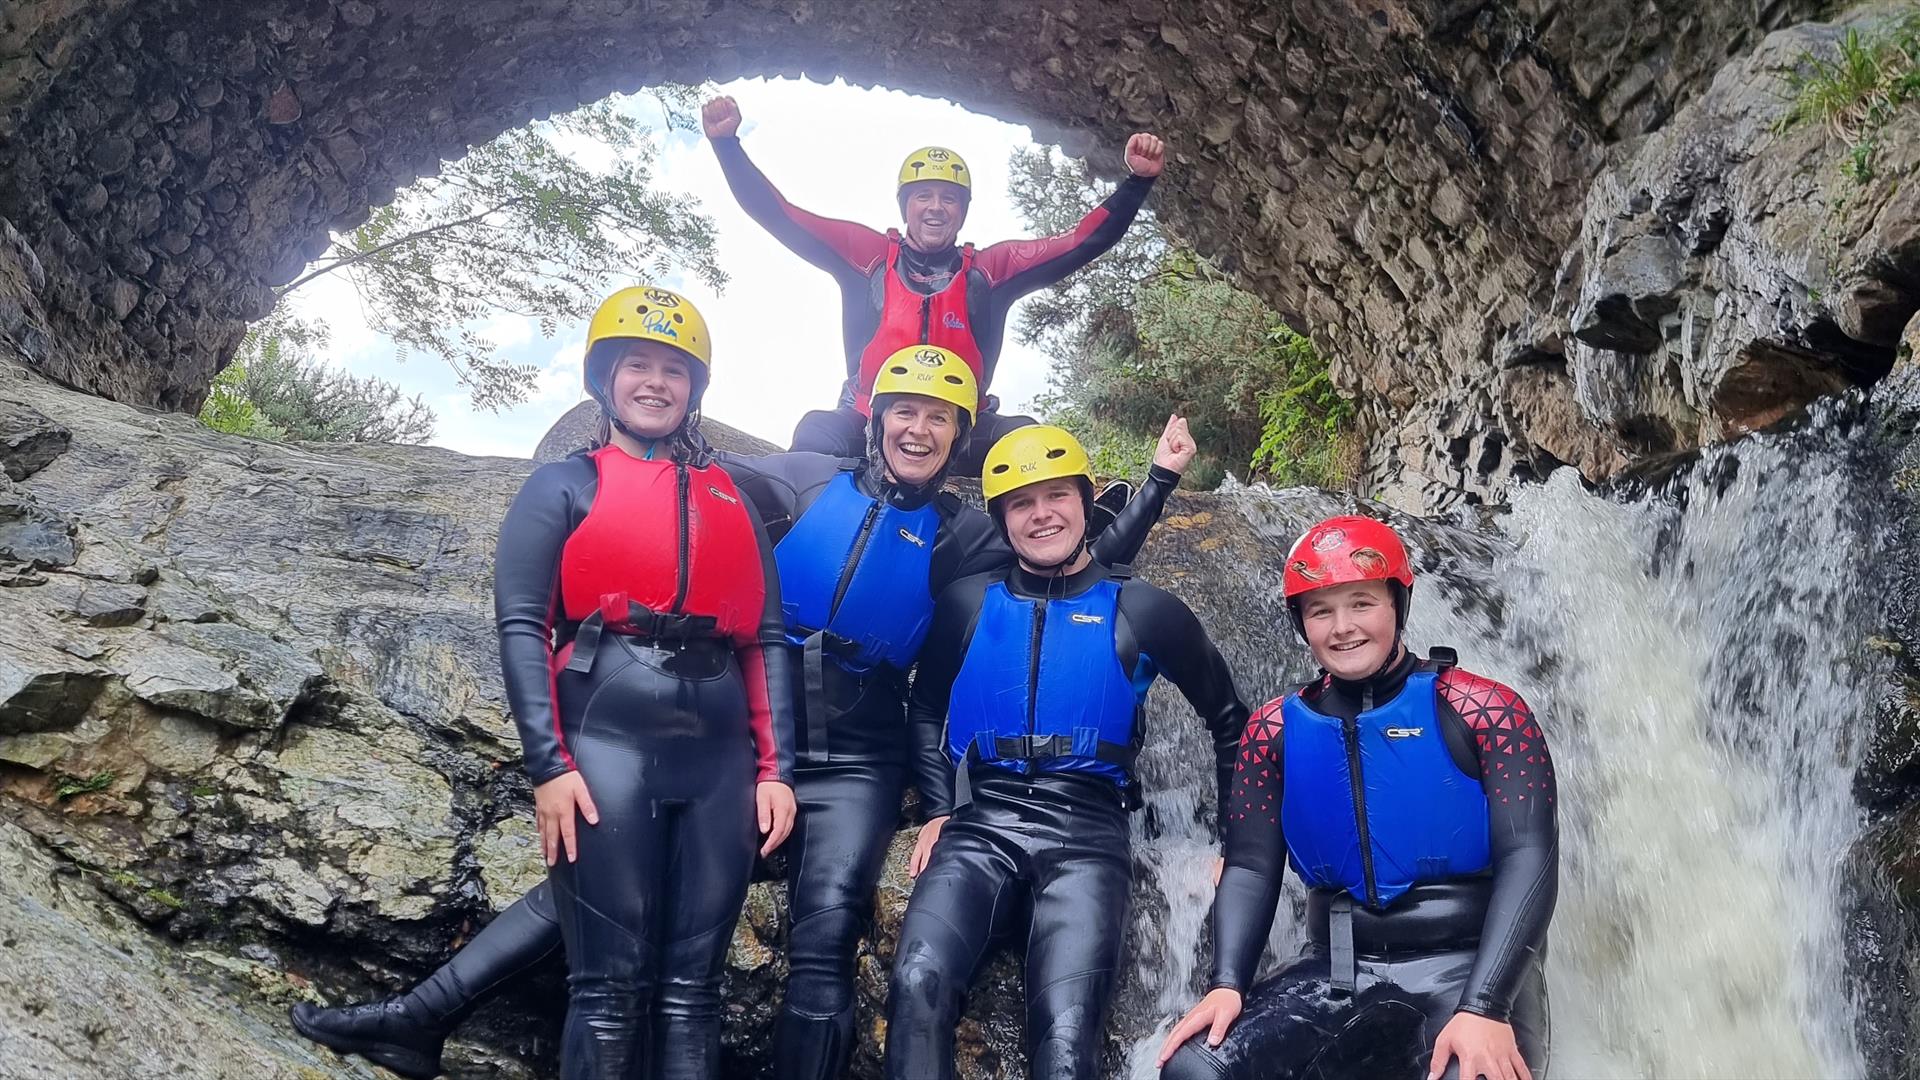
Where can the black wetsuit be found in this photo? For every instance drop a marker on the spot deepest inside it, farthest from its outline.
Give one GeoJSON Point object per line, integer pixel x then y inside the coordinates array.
{"type": "Point", "coordinates": [1474, 943]}
{"type": "Point", "coordinates": [849, 791]}
{"type": "Point", "coordinates": [858, 258]}
{"type": "Point", "coordinates": [669, 684]}
{"type": "Point", "coordinates": [1037, 838]}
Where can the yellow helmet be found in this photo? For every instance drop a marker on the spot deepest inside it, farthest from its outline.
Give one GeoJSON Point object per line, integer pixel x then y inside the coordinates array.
{"type": "Point", "coordinates": [936, 163]}
{"type": "Point", "coordinates": [1028, 455]}
{"type": "Point", "coordinates": [650, 313]}
{"type": "Point", "coordinates": [930, 371]}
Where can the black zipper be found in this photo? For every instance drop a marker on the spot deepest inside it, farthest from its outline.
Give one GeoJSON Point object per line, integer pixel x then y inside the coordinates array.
{"type": "Point", "coordinates": [926, 318]}
{"type": "Point", "coordinates": [853, 561]}
{"type": "Point", "coordinates": [1033, 672]}
{"type": "Point", "coordinates": [680, 590]}
{"type": "Point", "coordinates": [1351, 729]}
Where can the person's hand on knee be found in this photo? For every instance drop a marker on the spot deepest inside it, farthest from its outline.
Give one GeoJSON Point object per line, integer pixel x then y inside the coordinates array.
{"type": "Point", "coordinates": [1485, 1048]}
{"type": "Point", "coordinates": [1214, 1015]}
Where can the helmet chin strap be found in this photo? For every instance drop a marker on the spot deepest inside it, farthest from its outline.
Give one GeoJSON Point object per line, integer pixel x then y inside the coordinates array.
{"type": "Point", "coordinates": [1053, 569]}
{"type": "Point", "coordinates": [1393, 657]}
{"type": "Point", "coordinates": [684, 440]}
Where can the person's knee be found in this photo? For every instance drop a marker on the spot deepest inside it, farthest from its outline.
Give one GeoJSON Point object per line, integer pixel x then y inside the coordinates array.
{"type": "Point", "coordinates": [820, 960]}
{"type": "Point", "coordinates": [688, 998]}
{"type": "Point", "coordinates": [837, 432]}
{"type": "Point", "coordinates": [609, 1001]}
{"type": "Point", "coordinates": [924, 982]}
{"type": "Point", "coordinates": [1065, 1023]}
{"type": "Point", "coordinates": [1193, 1061]}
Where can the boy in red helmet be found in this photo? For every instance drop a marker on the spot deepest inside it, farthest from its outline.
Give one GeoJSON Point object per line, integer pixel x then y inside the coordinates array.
{"type": "Point", "coordinates": [1416, 802]}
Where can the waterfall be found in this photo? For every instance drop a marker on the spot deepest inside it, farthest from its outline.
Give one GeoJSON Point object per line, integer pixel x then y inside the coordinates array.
{"type": "Point", "coordinates": [1697, 654]}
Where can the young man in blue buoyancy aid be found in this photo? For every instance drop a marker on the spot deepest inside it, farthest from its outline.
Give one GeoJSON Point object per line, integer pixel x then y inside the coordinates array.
{"type": "Point", "coordinates": [1417, 803]}
{"type": "Point", "coordinates": [862, 550]}
{"type": "Point", "coordinates": [1026, 716]}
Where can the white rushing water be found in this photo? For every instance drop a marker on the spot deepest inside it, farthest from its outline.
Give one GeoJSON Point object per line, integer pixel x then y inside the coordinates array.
{"type": "Point", "coordinates": [1697, 658]}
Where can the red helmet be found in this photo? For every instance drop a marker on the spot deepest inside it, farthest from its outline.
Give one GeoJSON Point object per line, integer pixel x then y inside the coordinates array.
{"type": "Point", "coordinates": [1342, 550]}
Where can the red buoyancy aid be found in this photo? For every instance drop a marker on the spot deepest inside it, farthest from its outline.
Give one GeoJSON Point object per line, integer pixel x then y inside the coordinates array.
{"type": "Point", "coordinates": [673, 538]}
{"type": "Point", "coordinates": [911, 318]}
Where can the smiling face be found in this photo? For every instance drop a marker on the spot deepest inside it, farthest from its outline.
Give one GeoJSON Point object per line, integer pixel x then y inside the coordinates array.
{"type": "Point", "coordinates": [1352, 629]}
{"type": "Point", "coordinates": [1046, 521]}
{"type": "Point", "coordinates": [652, 384]}
{"type": "Point", "coordinates": [916, 437]}
{"type": "Point", "coordinates": [935, 210]}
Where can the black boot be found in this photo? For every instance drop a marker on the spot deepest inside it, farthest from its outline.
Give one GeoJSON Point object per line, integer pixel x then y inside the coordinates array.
{"type": "Point", "coordinates": [1112, 499]}
{"type": "Point", "coordinates": [405, 1033]}
{"type": "Point", "coordinates": [812, 1048]}
{"type": "Point", "coordinates": [388, 1033]}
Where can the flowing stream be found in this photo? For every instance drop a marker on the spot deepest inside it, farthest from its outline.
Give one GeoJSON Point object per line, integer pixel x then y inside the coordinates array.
{"type": "Point", "coordinates": [1698, 656]}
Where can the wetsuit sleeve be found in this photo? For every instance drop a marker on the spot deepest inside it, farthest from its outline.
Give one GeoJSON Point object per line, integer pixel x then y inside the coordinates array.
{"type": "Point", "coordinates": [1178, 646]}
{"type": "Point", "coordinates": [1256, 854]}
{"type": "Point", "coordinates": [526, 603]}
{"type": "Point", "coordinates": [1516, 773]}
{"type": "Point", "coordinates": [769, 484]}
{"type": "Point", "coordinates": [940, 657]}
{"type": "Point", "coordinates": [1121, 542]}
{"type": "Point", "coordinates": [766, 667]}
{"type": "Point", "coordinates": [844, 249]}
{"type": "Point", "coordinates": [1018, 267]}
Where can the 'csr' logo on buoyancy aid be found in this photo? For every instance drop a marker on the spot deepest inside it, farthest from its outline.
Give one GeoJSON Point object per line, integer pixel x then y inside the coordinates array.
{"type": "Point", "coordinates": [662, 297]}
{"type": "Point", "coordinates": [1404, 732]}
{"type": "Point", "coordinates": [927, 357]}
{"type": "Point", "coordinates": [912, 539]}
{"type": "Point", "coordinates": [723, 496]}
{"type": "Point", "coordinates": [1083, 617]}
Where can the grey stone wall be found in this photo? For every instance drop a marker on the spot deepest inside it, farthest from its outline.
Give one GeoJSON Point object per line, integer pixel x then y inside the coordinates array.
{"type": "Point", "coordinates": [1400, 177]}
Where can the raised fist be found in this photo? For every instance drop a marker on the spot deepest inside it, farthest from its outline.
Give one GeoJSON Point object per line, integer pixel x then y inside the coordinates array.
{"type": "Point", "coordinates": [721, 118]}
{"type": "Point", "coordinates": [1146, 154]}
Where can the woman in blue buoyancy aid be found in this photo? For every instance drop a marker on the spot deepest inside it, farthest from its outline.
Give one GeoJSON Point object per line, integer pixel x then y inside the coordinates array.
{"type": "Point", "coordinates": [1417, 803]}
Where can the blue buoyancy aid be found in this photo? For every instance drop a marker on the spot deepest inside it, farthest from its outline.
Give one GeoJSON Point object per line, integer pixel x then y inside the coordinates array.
{"type": "Point", "coordinates": [873, 559]}
{"type": "Point", "coordinates": [1377, 805]}
{"type": "Point", "coordinates": [1041, 688]}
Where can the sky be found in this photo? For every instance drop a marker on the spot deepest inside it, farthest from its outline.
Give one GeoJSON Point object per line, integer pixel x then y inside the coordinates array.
{"type": "Point", "coordinates": [831, 149]}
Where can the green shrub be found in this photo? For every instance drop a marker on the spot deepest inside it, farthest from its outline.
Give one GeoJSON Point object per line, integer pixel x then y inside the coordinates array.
{"type": "Point", "coordinates": [1151, 328]}
{"type": "Point", "coordinates": [1856, 92]}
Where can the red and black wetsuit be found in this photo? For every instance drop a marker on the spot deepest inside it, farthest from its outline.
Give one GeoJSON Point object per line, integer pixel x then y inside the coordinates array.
{"type": "Point", "coordinates": [958, 298]}
{"type": "Point", "coordinates": [1472, 943]}
{"type": "Point", "coordinates": [671, 696]}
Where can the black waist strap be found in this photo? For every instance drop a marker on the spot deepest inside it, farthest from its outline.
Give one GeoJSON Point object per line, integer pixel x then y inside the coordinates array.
{"type": "Point", "coordinates": [1340, 943]}
{"type": "Point", "coordinates": [1042, 748]}
{"type": "Point", "coordinates": [641, 622]}
{"type": "Point", "coordinates": [1437, 916]}
{"type": "Point", "coordinates": [813, 656]}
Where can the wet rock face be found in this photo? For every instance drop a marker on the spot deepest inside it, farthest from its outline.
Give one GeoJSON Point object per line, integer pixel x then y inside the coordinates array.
{"type": "Point", "coordinates": [1727, 273]}
{"type": "Point", "coordinates": [1402, 177]}
{"type": "Point", "coordinates": [252, 704]}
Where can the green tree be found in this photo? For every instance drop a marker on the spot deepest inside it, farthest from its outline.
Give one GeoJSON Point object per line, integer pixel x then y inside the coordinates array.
{"type": "Point", "coordinates": [228, 408]}
{"type": "Point", "coordinates": [537, 223]}
{"type": "Point", "coordinates": [1152, 328]}
{"type": "Point", "coordinates": [275, 389]}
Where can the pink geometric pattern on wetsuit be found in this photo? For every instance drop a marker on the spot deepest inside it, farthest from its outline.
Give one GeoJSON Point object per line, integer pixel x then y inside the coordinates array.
{"type": "Point", "coordinates": [1254, 780]}
{"type": "Point", "coordinates": [1514, 764]}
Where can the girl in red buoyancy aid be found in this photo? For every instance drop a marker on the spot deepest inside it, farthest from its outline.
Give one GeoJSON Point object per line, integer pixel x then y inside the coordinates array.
{"type": "Point", "coordinates": [640, 638]}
